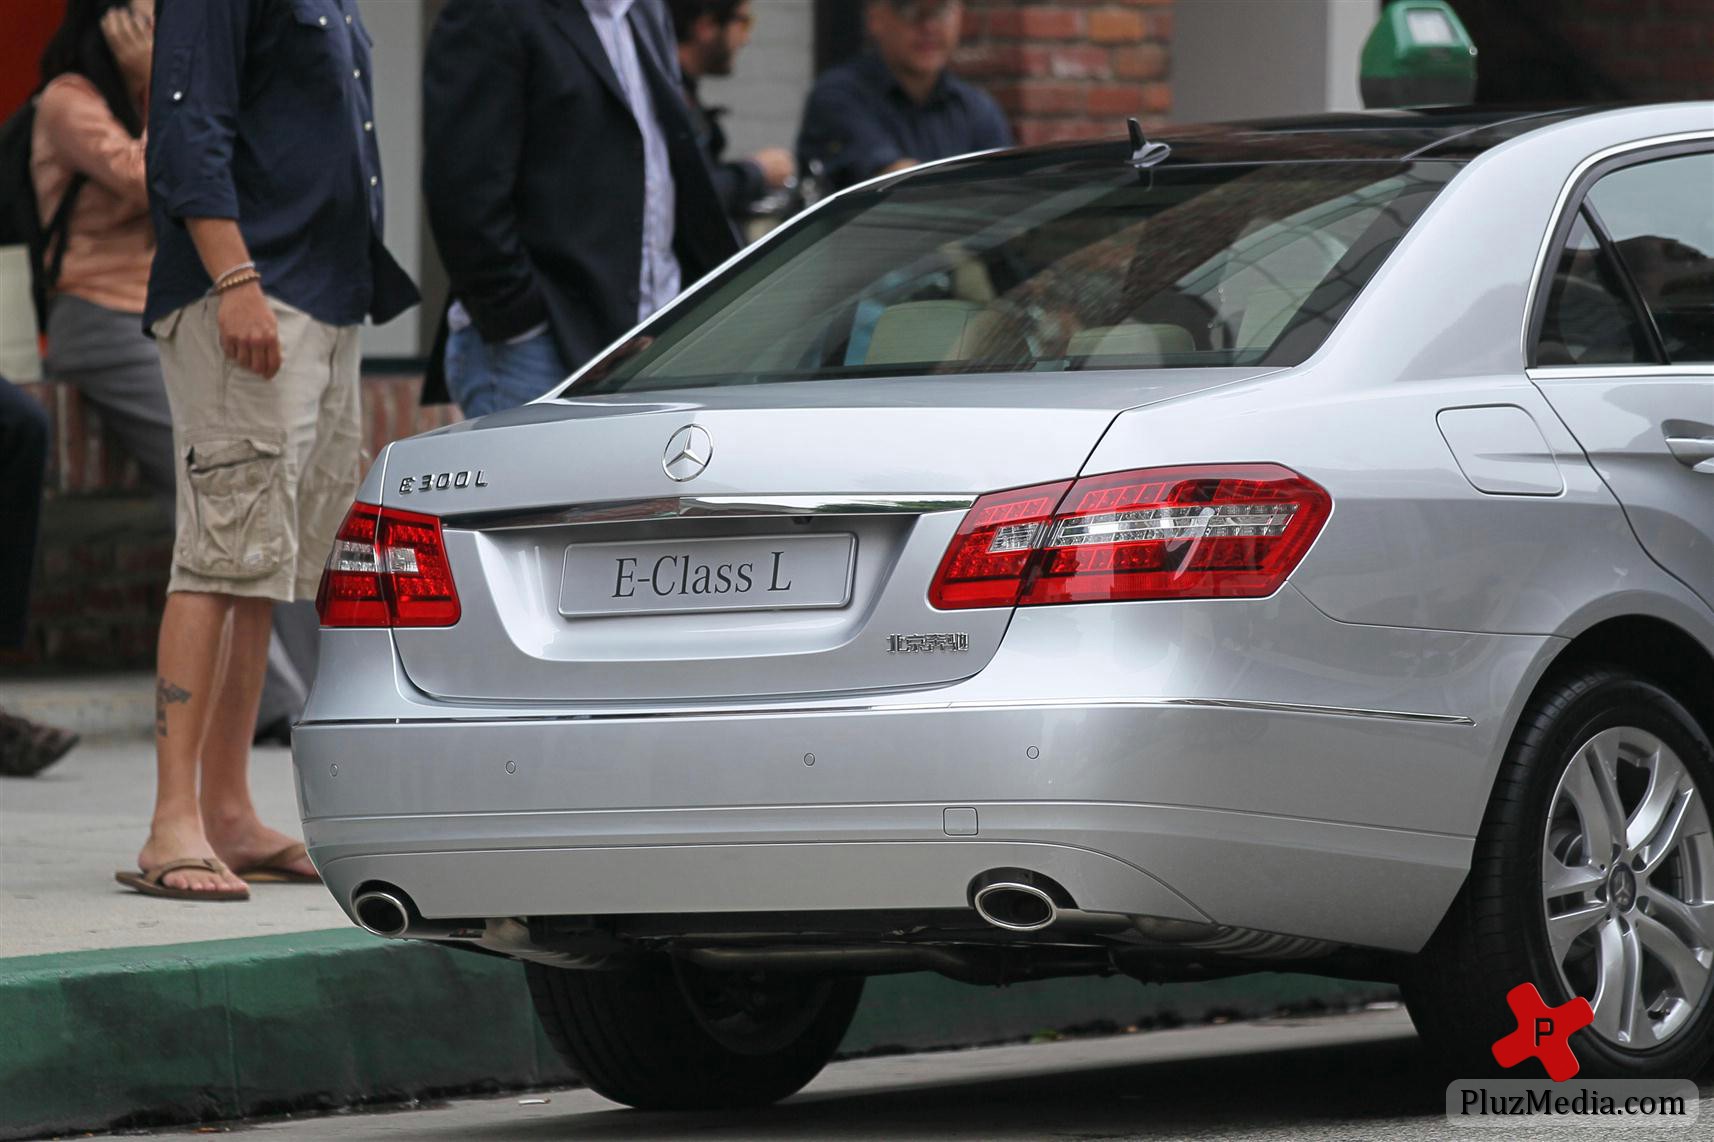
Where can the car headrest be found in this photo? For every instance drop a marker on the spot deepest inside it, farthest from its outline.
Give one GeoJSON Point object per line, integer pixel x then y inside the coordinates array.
{"type": "Point", "coordinates": [931, 331]}
{"type": "Point", "coordinates": [1130, 340]}
{"type": "Point", "coordinates": [971, 281]}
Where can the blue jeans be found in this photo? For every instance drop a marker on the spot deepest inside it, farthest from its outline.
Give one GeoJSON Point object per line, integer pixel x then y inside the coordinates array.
{"type": "Point", "coordinates": [485, 378]}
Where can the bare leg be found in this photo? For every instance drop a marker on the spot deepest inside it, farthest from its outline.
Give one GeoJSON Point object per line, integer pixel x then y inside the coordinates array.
{"type": "Point", "coordinates": [191, 633]}
{"type": "Point", "coordinates": [228, 813]}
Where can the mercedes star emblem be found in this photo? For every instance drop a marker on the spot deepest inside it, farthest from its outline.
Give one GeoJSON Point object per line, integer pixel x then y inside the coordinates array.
{"type": "Point", "coordinates": [688, 453]}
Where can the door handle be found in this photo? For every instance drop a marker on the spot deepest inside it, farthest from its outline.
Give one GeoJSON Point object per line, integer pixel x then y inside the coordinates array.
{"type": "Point", "coordinates": [1695, 452]}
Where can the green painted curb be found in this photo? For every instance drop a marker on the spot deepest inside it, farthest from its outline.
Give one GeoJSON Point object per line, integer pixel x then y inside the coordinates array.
{"type": "Point", "coordinates": [234, 1028]}
{"type": "Point", "coordinates": [145, 1036]}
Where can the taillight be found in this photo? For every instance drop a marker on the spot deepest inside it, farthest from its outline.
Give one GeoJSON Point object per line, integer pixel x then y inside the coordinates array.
{"type": "Point", "coordinates": [388, 569]}
{"type": "Point", "coordinates": [985, 564]}
{"type": "Point", "coordinates": [1227, 531]}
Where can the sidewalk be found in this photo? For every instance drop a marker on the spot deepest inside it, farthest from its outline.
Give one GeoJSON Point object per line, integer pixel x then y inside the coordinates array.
{"type": "Point", "coordinates": [63, 833]}
{"type": "Point", "coordinates": [95, 705]}
{"type": "Point", "coordinates": [119, 1010]}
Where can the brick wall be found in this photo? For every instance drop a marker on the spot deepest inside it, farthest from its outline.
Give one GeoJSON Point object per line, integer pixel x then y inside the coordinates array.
{"type": "Point", "coordinates": [101, 580]}
{"type": "Point", "coordinates": [107, 542]}
{"type": "Point", "coordinates": [1071, 69]}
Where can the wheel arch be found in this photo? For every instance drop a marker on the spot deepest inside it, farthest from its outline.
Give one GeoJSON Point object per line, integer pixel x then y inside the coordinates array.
{"type": "Point", "coordinates": [1654, 648]}
{"type": "Point", "coordinates": [1677, 656]}
{"type": "Point", "coordinates": [1663, 635]}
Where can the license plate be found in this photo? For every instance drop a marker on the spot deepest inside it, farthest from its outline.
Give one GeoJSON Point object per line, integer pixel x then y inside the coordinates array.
{"type": "Point", "coordinates": [755, 573]}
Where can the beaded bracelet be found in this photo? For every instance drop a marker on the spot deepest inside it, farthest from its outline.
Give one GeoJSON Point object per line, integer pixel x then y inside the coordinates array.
{"type": "Point", "coordinates": [238, 269]}
{"type": "Point", "coordinates": [241, 279]}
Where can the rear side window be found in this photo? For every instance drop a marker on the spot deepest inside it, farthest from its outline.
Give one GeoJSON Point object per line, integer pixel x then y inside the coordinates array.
{"type": "Point", "coordinates": [1014, 268]}
{"type": "Point", "coordinates": [1660, 218]}
{"type": "Point", "coordinates": [1589, 319]}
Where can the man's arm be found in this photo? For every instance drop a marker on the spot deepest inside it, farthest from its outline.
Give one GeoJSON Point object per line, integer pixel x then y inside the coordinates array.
{"type": "Point", "coordinates": [193, 107]}
{"type": "Point", "coordinates": [842, 133]}
{"type": "Point", "coordinates": [249, 332]}
{"type": "Point", "coordinates": [473, 141]}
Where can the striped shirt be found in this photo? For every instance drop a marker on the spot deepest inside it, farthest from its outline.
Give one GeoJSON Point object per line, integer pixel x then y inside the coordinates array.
{"type": "Point", "coordinates": [661, 275]}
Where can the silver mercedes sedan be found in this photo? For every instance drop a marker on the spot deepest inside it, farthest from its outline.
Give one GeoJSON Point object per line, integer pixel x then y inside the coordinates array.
{"type": "Point", "coordinates": [1283, 545]}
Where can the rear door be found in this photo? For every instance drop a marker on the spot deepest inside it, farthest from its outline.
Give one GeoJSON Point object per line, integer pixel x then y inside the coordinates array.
{"type": "Point", "coordinates": [1625, 347]}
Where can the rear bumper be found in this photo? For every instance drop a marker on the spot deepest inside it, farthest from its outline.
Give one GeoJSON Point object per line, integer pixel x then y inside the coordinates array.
{"type": "Point", "coordinates": [1333, 800]}
{"type": "Point", "coordinates": [434, 810]}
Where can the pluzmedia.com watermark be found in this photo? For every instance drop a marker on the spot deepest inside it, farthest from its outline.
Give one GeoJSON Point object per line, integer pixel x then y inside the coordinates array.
{"type": "Point", "coordinates": [1606, 1104]}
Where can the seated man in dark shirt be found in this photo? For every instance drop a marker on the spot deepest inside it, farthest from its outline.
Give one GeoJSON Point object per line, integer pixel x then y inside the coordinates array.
{"type": "Point", "coordinates": [896, 105]}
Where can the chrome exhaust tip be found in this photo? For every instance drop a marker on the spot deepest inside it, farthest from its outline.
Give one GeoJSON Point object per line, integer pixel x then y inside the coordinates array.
{"type": "Point", "coordinates": [382, 913]}
{"type": "Point", "coordinates": [1015, 907]}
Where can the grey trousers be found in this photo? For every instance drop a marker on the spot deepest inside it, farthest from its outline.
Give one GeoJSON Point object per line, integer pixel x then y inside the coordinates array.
{"type": "Point", "coordinates": [116, 368]}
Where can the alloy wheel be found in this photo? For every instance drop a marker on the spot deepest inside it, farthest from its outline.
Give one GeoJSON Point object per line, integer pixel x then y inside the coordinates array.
{"type": "Point", "coordinates": [1627, 870]}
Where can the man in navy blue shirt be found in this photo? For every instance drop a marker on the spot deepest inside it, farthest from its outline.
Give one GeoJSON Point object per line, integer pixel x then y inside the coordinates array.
{"type": "Point", "coordinates": [896, 105]}
{"type": "Point", "coordinates": [265, 186]}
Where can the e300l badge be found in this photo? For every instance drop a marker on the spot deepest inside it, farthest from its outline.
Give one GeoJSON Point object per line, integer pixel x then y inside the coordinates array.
{"type": "Point", "coordinates": [442, 482]}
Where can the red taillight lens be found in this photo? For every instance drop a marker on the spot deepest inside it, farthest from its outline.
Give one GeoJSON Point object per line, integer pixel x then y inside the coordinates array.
{"type": "Point", "coordinates": [351, 594]}
{"type": "Point", "coordinates": [985, 563]}
{"type": "Point", "coordinates": [1231, 531]}
{"type": "Point", "coordinates": [388, 569]}
{"type": "Point", "coordinates": [1179, 533]}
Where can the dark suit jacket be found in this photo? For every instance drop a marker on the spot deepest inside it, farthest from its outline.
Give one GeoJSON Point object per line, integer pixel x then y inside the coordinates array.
{"type": "Point", "coordinates": [533, 171]}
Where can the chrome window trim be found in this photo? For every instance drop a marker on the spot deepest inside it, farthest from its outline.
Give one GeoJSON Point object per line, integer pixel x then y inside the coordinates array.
{"type": "Point", "coordinates": [711, 507]}
{"type": "Point", "coordinates": [1592, 372]}
{"type": "Point", "coordinates": [1572, 185]}
{"type": "Point", "coordinates": [934, 707]}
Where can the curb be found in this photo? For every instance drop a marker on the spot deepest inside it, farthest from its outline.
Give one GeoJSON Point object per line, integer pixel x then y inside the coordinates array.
{"type": "Point", "coordinates": [237, 1028]}
{"type": "Point", "coordinates": [96, 705]}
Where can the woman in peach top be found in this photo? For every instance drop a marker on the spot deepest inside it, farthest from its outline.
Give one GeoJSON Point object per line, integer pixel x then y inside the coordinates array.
{"type": "Point", "coordinates": [89, 138]}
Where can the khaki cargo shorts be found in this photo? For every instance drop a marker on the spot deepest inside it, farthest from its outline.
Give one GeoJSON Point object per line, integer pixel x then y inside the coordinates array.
{"type": "Point", "coordinates": [266, 469]}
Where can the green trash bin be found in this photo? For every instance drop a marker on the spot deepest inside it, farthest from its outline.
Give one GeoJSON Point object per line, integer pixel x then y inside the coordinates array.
{"type": "Point", "coordinates": [1419, 55]}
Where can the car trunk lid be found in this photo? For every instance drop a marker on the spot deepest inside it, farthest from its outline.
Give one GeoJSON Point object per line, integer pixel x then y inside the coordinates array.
{"type": "Point", "coordinates": [791, 556]}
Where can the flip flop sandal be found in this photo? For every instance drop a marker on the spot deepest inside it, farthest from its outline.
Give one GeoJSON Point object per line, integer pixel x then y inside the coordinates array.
{"type": "Point", "coordinates": [277, 869]}
{"type": "Point", "coordinates": [149, 883]}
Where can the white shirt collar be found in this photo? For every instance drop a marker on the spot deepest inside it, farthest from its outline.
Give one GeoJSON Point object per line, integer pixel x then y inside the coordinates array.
{"type": "Point", "coordinates": [611, 9]}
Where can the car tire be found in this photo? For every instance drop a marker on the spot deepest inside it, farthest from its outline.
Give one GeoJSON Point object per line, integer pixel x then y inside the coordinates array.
{"type": "Point", "coordinates": [1507, 926]}
{"type": "Point", "coordinates": [663, 1035]}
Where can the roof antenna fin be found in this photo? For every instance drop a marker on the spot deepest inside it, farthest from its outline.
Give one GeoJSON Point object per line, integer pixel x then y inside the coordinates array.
{"type": "Point", "coordinates": [1145, 154]}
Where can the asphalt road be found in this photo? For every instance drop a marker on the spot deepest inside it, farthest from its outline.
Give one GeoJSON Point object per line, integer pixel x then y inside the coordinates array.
{"type": "Point", "coordinates": [1339, 1078]}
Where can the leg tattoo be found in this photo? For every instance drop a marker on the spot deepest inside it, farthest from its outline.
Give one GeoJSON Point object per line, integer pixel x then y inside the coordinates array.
{"type": "Point", "coordinates": [167, 694]}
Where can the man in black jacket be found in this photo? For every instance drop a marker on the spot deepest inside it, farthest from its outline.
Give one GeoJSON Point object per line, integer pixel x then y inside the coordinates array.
{"type": "Point", "coordinates": [564, 186]}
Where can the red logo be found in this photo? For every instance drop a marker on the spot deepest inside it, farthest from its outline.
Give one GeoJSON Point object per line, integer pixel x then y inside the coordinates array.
{"type": "Point", "coordinates": [1543, 1032]}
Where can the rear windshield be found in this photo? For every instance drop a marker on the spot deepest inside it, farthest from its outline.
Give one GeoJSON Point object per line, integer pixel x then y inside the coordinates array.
{"type": "Point", "coordinates": [1050, 272]}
